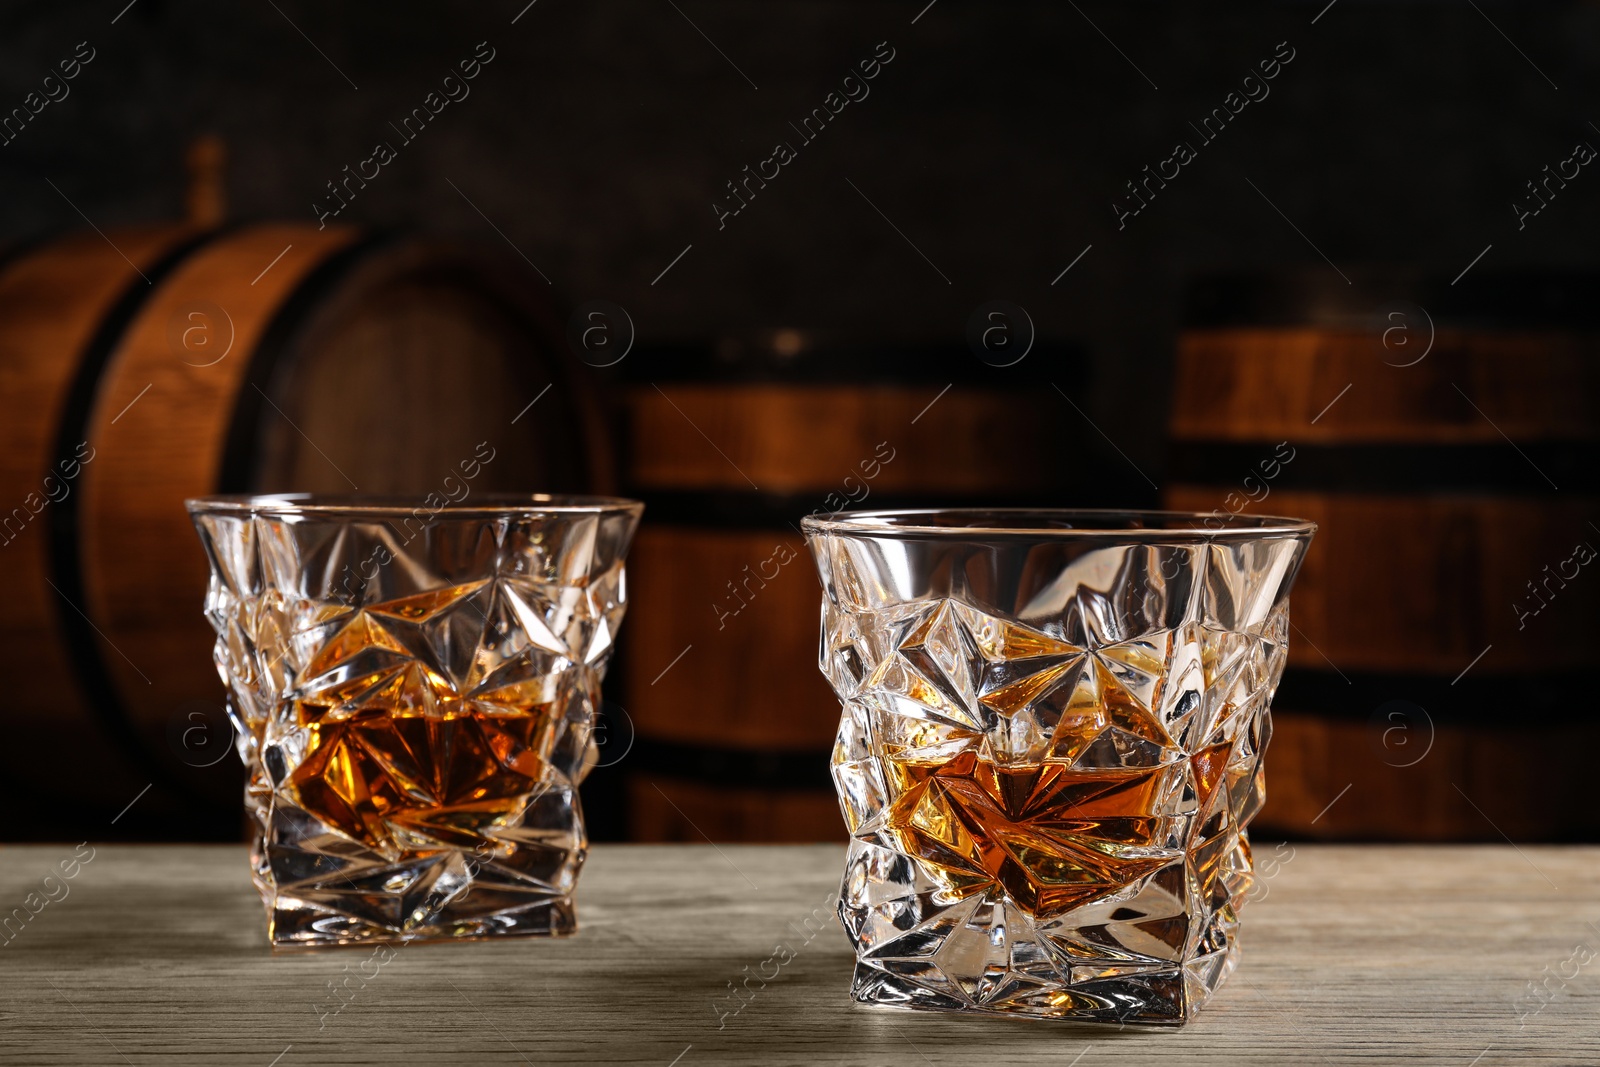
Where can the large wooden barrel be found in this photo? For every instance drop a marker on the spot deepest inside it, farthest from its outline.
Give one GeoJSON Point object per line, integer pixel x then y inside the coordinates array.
{"type": "Point", "coordinates": [155, 364]}
{"type": "Point", "coordinates": [1445, 440]}
{"type": "Point", "coordinates": [729, 445]}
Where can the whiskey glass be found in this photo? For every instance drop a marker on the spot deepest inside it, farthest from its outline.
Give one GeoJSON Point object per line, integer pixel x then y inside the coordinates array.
{"type": "Point", "coordinates": [413, 690]}
{"type": "Point", "coordinates": [1050, 749]}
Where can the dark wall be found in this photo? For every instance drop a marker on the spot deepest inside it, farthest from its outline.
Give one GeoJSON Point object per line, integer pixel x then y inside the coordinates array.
{"type": "Point", "coordinates": [996, 140]}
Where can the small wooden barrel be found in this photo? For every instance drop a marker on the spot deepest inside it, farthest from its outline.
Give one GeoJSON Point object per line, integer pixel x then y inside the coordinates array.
{"type": "Point", "coordinates": [163, 363]}
{"type": "Point", "coordinates": [729, 447]}
{"type": "Point", "coordinates": [1446, 442]}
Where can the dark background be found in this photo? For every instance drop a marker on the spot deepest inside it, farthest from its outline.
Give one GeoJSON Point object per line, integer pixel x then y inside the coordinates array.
{"type": "Point", "coordinates": [996, 140]}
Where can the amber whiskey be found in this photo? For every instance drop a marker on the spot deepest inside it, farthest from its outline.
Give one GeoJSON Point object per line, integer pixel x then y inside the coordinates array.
{"type": "Point", "coordinates": [1052, 837]}
{"type": "Point", "coordinates": [398, 759]}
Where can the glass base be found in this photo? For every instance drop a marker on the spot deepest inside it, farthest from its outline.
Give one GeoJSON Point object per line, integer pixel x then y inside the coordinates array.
{"type": "Point", "coordinates": [302, 926]}
{"type": "Point", "coordinates": [321, 889]}
{"type": "Point", "coordinates": [1151, 998]}
{"type": "Point", "coordinates": [989, 957]}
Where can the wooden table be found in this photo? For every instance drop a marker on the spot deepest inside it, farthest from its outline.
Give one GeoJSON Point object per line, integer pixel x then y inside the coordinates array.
{"type": "Point", "coordinates": [1369, 955]}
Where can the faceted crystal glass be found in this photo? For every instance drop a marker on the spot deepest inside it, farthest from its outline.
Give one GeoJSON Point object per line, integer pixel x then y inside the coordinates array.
{"type": "Point", "coordinates": [1050, 749]}
{"type": "Point", "coordinates": [413, 691]}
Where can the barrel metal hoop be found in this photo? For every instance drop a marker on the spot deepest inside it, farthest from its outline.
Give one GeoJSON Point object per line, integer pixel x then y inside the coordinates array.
{"type": "Point", "coordinates": [64, 533]}
{"type": "Point", "coordinates": [747, 768]}
{"type": "Point", "coordinates": [1391, 467]}
{"type": "Point", "coordinates": [236, 472]}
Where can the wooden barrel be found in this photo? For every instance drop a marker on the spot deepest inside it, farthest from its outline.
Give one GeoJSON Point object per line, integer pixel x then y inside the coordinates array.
{"type": "Point", "coordinates": [162, 363]}
{"type": "Point", "coordinates": [1445, 441]}
{"type": "Point", "coordinates": [729, 445]}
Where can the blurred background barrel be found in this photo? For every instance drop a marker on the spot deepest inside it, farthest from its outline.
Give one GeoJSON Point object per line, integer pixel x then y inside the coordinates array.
{"type": "Point", "coordinates": [154, 364]}
{"type": "Point", "coordinates": [729, 445]}
{"type": "Point", "coordinates": [1445, 439]}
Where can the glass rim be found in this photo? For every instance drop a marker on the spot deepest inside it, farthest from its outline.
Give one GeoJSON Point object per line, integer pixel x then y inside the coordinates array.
{"type": "Point", "coordinates": [1109, 524]}
{"type": "Point", "coordinates": [389, 505]}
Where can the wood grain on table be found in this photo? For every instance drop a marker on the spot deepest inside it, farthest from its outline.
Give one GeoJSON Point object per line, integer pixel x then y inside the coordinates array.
{"type": "Point", "coordinates": [157, 954]}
